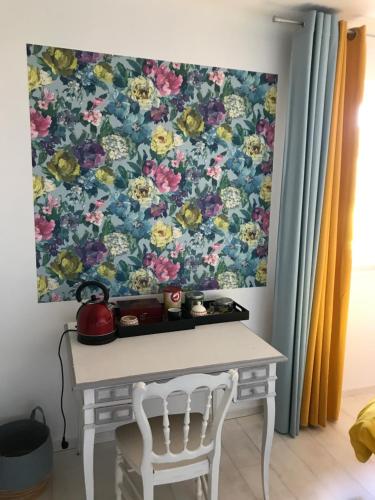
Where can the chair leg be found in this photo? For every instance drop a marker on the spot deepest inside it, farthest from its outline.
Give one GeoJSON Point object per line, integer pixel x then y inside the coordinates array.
{"type": "Point", "coordinates": [213, 480]}
{"type": "Point", "coordinates": [148, 488]}
{"type": "Point", "coordinates": [119, 477]}
{"type": "Point", "coordinates": [199, 491]}
{"type": "Point", "coordinates": [204, 487]}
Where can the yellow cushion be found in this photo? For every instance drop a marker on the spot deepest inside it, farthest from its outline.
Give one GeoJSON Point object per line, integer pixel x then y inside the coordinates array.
{"type": "Point", "coordinates": [130, 443]}
{"type": "Point", "coordinates": [362, 433]}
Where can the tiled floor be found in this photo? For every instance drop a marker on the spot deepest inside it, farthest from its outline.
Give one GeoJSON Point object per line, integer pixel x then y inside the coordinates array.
{"type": "Point", "coordinates": [318, 465]}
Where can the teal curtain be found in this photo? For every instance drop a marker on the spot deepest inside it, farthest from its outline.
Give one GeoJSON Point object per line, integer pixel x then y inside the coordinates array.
{"type": "Point", "coordinates": [312, 73]}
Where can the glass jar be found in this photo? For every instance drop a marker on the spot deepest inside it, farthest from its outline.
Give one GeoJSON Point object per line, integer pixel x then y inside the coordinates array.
{"type": "Point", "coordinates": [192, 298]}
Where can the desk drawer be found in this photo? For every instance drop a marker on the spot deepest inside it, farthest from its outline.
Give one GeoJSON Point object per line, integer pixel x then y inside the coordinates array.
{"type": "Point", "coordinates": [252, 374]}
{"type": "Point", "coordinates": [116, 393]}
{"type": "Point", "coordinates": [252, 391]}
{"type": "Point", "coordinates": [109, 414]}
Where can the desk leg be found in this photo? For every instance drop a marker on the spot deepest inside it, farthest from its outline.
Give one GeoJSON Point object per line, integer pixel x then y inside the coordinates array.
{"type": "Point", "coordinates": [88, 460]}
{"type": "Point", "coordinates": [80, 424]}
{"type": "Point", "coordinates": [268, 430]}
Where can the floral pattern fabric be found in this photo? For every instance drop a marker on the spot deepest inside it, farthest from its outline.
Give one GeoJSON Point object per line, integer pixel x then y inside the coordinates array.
{"type": "Point", "coordinates": [147, 173]}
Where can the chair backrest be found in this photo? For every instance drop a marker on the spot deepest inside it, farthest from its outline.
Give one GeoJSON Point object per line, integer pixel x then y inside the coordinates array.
{"type": "Point", "coordinates": [186, 384]}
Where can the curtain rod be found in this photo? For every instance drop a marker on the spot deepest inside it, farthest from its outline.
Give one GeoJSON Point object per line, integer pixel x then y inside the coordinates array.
{"type": "Point", "coordinates": [277, 19]}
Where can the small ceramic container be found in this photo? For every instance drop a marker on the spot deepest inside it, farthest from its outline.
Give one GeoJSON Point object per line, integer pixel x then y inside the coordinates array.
{"type": "Point", "coordinates": [174, 313]}
{"type": "Point", "coordinates": [129, 321]}
{"type": "Point", "coordinates": [198, 310]}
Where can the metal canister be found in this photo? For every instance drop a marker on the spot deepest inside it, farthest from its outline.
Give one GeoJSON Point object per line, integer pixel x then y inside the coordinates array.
{"type": "Point", "coordinates": [192, 298]}
{"type": "Point", "coordinates": [223, 304]}
{"type": "Point", "coordinates": [172, 297]}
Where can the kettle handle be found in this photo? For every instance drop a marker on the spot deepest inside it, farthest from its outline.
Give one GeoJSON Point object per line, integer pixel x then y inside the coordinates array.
{"type": "Point", "coordinates": [92, 283]}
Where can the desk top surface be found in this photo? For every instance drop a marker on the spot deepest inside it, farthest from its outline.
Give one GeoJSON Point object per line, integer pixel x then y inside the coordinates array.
{"type": "Point", "coordinates": [207, 348]}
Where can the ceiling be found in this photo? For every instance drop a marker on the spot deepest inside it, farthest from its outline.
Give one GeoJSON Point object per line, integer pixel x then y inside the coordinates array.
{"type": "Point", "coordinates": [346, 9]}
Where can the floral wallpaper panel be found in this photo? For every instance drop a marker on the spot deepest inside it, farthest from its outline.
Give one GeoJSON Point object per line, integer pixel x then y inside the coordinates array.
{"type": "Point", "coordinates": [148, 173]}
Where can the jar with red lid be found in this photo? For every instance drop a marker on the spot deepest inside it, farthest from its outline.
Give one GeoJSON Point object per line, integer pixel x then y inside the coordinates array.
{"type": "Point", "coordinates": [172, 296]}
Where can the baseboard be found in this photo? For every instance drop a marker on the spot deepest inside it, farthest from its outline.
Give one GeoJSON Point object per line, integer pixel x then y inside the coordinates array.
{"type": "Point", "coordinates": [359, 391]}
{"type": "Point", "coordinates": [244, 409]}
{"type": "Point", "coordinates": [100, 437]}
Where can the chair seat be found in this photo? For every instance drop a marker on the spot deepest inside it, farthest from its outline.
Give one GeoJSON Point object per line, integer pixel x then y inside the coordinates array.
{"type": "Point", "coordinates": [130, 443]}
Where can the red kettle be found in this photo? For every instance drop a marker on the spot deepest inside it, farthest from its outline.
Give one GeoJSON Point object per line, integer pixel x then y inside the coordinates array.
{"type": "Point", "coordinates": [96, 322]}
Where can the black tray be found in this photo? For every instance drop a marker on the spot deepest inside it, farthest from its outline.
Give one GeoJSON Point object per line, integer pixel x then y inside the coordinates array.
{"type": "Point", "coordinates": [187, 322]}
{"type": "Point", "coordinates": [239, 313]}
{"type": "Point", "coordinates": [160, 327]}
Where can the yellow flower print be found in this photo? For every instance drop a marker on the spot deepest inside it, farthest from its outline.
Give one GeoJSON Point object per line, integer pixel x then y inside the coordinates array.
{"type": "Point", "coordinates": [64, 166]}
{"type": "Point", "coordinates": [142, 189]}
{"type": "Point", "coordinates": [61, 61]}
{"type": "Point", "coordinates": [67, 265]}
{"type": "Point", "coordinates": [38, 186]}
{"type": "Point", "coordinates": [42, 285]}
{"type": "Point", "coordinates": [37, 78]}
{"type": "Point", "coordinates": [261, 272]}
{"type": "Point", "coordinates": [190, 122]}
{"type": "Point", "coordinates": [142, 91]}
{"type": "Point", "coordinates": [250, 233]}
{"type": "Point", "coordinates": [103, 71]}
{"type": "Point", "coordinates": [265, 189]}
{"type": "Point", "coordinates": [270, 101]}
{"type": "Point", "coordinates": [161, 234]}
{"type": "Point", "coordinates": [162, 140]}
{"type": "Point", "coordinates": [105, 175]}
{"type": "Point", "coordinates": [221, 222]}
{"type": "Point", "coordinates": [225, 132]}
{"type": "Point", "coordinates": [107, 270]}
{"type": "Point", "coordinates": [189, 215]}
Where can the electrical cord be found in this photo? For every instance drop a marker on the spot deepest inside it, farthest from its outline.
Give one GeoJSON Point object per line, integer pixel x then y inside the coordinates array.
{"type": "Point", "coordinates": [64, 442]}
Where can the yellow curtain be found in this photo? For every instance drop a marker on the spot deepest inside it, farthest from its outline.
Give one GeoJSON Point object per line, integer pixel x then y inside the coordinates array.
{"type": "Point", "coordinates": [322, 388]}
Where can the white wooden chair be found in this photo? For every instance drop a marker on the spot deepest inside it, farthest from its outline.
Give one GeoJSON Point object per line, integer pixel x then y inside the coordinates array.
{"type": "Point", "coordinates": [173, 448]}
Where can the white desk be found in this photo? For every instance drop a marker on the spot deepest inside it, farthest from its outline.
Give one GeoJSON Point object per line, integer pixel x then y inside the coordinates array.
{"type": "Point", "coordinates": [104, 376]}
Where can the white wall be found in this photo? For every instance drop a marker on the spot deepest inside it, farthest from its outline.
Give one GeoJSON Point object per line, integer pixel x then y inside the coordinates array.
{"type": "Point", "coordinates": [359, 370]}
{"type": "Point", "coordinates": [203, 32]}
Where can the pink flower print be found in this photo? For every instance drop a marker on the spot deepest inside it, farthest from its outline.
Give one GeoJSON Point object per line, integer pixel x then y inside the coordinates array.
{"type": "Point", "coordinates": [43, 228]}
{"type": "Point", "coordinates": [216, 247]}
{"type": "Point", "coordinates": [165, 270]}
{"type": "Point", "coordinates": [39, 124]}
{"type": "Point", "coordinates": [97, 102]}
{"type": "Point", "coordinates": [180, 157]}
{"type": "Point", "coordinates": [267, 129]}
{"type": "Point", "coordinates": [217, 76]}
{"type": "Point", "coordinates": [149, 167]}
{"type": "Point", "coordinates": [48, 97]}
{"type": "Point", "coordinates": [93, 116]}
{"type": "Point", "coordinates": [166, 81]}
{"type": "Point", "coordinates": [95, 217]}
{"type": "Point", "coordinates": [266, 221]}
{"type": "Point", "coordinates": [150, 67]}
{"type": "Point", "coordinates": [56, 297]}
{"type": "Point", "coordinates": [149, 260]}
{"type": "Point", "coordinates": [211, 259]}
{"type": "Point", "coordinates": [99, 203]}
{"type": "Point", "coordinates": [176, 65]}
{"type": "Point", "coordinates": [179, 247]}
{"type": "Point", "coordinates": [166, 180]}
{"type": "Point", "coordinates": [51, 204]}
{"type": "Point", "coordinates": [219, 159]}
{"type": "Point", "coordinates": [214, 171]}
